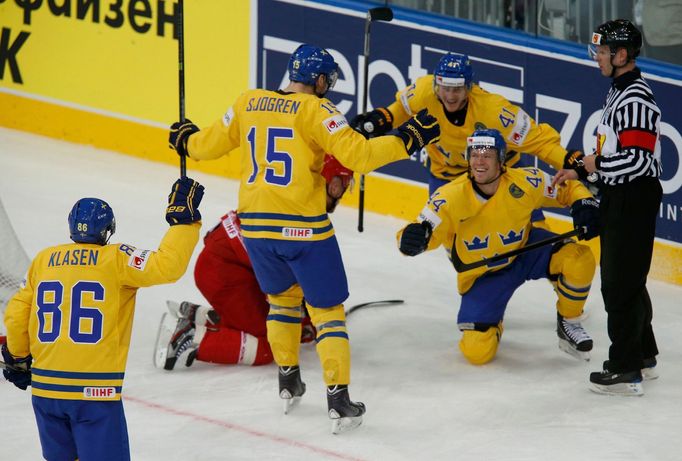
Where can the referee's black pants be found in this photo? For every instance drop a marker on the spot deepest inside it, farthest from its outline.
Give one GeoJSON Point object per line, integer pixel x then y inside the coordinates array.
{"type": "Point", "coordinates": [628, 224]}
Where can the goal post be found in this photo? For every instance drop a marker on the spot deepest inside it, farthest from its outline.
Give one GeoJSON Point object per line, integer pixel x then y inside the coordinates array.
{"type": "Point", "coordinates": [14, 262]}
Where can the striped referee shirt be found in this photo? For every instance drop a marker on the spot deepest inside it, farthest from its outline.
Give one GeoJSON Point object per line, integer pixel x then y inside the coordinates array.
{"type": "Point", "coordinates": [628, 144]}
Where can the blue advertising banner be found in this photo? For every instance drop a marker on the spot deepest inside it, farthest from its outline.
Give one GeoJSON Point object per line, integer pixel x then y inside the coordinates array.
{"type": "Point", "coordinates": [553, 81]}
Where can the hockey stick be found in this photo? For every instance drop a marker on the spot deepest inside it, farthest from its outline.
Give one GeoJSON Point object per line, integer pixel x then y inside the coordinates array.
{"type": "Point", "coordinates": [388, 302]}
{"type": "Point", "coordinates": [461, 266]}
{"type": "Point", "coordinates": [181, 77]}
{"type": "Point", "coordinates": [11, 367]}
{"type": "Point", "coordinates": [381, 13]}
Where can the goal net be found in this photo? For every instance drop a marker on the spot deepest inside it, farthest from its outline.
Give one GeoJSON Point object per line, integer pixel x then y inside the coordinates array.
{"type": "Point", "coordinates": [13, 262]}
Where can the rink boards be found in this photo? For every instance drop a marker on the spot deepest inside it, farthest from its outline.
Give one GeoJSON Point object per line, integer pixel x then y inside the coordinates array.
{"type": "Point", "coordinates": [106, 75]}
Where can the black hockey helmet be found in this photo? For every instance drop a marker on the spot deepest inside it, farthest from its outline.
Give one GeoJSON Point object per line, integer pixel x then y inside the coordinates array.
{"type": "Point", "coordinates": [619, 33]}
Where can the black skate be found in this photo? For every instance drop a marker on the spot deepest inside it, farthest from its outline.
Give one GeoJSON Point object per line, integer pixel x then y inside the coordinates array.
{"type": "Point", "coordinates": [625, 384]}
{"type": "Point", "coordinates": [344, 413]}
{"type": "Point", "coordinates": [649, 371]}
{"type": "Point", "coordinates": [291, 388]}
{"type": "Point", "coordinates": [573, 339]}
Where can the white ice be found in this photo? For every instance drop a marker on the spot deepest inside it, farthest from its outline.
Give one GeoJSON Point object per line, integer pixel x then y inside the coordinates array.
{"type": "Point", "coordinates": [424, 400]}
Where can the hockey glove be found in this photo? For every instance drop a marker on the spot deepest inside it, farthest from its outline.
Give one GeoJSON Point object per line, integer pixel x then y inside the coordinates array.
{"type": "Point", "coordinates": [415, 238]}
{"type": "Point", "coordinates": [574, 161]}
{"type": "Point", "coordinates": [179, 135]}
{"type": "Point", "coordinates": [585, 213]}
{"type": "Point", "coordinates": [18, 371]}
{"type": "Point", "coordinates": [183, 202]}
{"type": "Point", "coordinates": [420, 130]}
{"type": "Point", "coordinates": [375, 123]}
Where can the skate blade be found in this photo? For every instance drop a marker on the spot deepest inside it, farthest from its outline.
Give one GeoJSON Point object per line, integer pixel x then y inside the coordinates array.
{"type": "Point", "coordinates": [289, 403]}
{"type": "Point", "coordinates": [580, 355]}
{"type": "Point", "coordinates": [163, 336]}
{"type": "Point", "coordinates": [173, 308]}
{"type": "Point", "coordinates": [341, 425]}
{"type": "Point", "coordinates": [621, 389]}
{"type": "Point", "coordinates": [649, 373]}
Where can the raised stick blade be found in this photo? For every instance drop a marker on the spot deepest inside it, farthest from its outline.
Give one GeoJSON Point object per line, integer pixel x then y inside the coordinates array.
{"type": "Point", "coordinates": [381, 13]}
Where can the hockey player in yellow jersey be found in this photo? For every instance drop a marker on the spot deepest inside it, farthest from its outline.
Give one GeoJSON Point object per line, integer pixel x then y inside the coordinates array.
{"type": "Point", "coordinates": [283, 136]}
{"type": "Point", "coordinates": [69, 326]}
{"type": "Point", "coordinates": [461, 107]}
{"type": "Point", "coordinates": [488, 212]}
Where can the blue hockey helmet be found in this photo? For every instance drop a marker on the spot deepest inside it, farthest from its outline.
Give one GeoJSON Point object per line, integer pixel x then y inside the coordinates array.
{"type": "Point", "coordinates": [309, 62]}
{"type": "Point", "coordinates": [91, 220]}
{"type": "Point", "coordinates": [453, 70]}
{"type": "Point", "coordinates": [487, 139]}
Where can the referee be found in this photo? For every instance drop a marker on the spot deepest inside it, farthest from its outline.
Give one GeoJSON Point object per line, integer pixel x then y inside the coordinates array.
{"type": "Point", "coordinates": [627, 164]}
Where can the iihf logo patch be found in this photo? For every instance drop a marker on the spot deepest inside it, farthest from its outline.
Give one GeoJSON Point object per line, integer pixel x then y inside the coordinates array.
{"type": "Point", "coordinates": [297, 232]}
{"type": "Point", "coordinates": [99, 392]}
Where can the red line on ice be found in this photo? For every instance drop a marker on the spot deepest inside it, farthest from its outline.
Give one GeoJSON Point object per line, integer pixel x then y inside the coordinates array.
{"type": "Point", "coordinates": [235, 427]}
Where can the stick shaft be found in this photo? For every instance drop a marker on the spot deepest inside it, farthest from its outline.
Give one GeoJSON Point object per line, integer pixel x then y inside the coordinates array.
{"type": "Point", "coordinates": [181, 77]}
{"type": "Point", "coordinates": [461, 266]}
{"type": "Point", "coordinates": [382, 13]}
{"type": "Point", "coordinates": [365, 96]}
{"type": "Point", "coordinates": [11, 367]}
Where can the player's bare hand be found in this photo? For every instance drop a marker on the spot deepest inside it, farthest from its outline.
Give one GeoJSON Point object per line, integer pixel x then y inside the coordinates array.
{"type": "Point", "coordinates": [590, 162]}
{"type": "Point", "coordinates": [563, 175]}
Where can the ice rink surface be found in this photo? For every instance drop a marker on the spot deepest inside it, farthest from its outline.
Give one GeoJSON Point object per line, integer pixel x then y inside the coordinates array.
{"type": "Point", "coordinates": [424, 402]}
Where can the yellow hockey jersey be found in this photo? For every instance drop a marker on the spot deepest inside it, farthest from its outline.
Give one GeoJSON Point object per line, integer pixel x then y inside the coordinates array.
{"type": "Point", "coordinates": [74, 313]}
{"type": "Point", "coordinates": [283, 138]}
{"type": "Point", "coordinates": [485, 110]}
{"type": "Point", "coordinates": [485, 228]}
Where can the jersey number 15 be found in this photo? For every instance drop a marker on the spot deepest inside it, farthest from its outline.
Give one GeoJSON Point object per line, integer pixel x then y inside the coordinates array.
{"type": "Point", "coordinates": [273, 158]}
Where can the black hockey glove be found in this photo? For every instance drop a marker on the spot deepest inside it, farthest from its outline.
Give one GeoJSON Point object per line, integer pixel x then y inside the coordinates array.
{"type": "Point", "coordinates": [585, 213]}
{"type": "Point", "coordinates": [420, 130]}
{"type": "Point", "coordinates": [574, 161]}
{"type": "Point", "coordinates": [183, 202]}
{"type": "Point", "coordinates": [179, 135]}
{"type": "Point", "coordinates": [374, 123]}
{"type": "Point", "coordinates": [415, 238]}
{"type": "Point", "coordinates": [19, 370]}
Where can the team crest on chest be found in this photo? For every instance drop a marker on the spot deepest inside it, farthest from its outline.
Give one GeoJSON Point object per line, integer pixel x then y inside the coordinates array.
{"type": "Point", "coordinates": [516, 191]}
{"type": "Point", "coordinates": [511, 237]}
{"type": "Point", "coordinates": [477, 243]}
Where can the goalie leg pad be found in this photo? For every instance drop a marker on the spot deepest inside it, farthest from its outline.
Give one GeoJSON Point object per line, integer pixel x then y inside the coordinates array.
{"type": "Point", "coordinates": [333, 347]}
{"type": "Point", "coordinates": [479, 345]}
{"type": "Point", "coordinates": [572, 270]}
{"type": "Point", "coordinates": [284, 325]}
